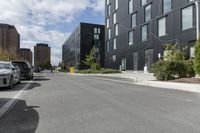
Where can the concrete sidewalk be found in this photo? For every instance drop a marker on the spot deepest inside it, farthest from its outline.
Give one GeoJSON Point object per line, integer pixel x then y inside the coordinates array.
{"type": "Point", "coordinates": [148, 79]}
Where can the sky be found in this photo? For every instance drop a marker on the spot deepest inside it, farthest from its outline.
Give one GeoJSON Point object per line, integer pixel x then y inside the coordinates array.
{"type": "Point", "coordinates": [49, 21]}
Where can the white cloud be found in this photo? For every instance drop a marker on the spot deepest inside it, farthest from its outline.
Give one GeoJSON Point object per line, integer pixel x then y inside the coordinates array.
{"type": "Point", "coordinates": [31, 17]}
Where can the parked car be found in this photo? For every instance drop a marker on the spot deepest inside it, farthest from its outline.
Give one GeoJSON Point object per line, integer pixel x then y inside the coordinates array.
{"type": "Point", "coordinates": [9, 75]}
{"type": "Point", "coordinates": [37, 69]}
{"type": "Point", "coordinates": [26, 69]}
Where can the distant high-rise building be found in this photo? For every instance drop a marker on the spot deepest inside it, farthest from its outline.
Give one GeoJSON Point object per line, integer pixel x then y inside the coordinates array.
{"type": "Point", "coordinates": [42, 54]}
{"type": "Point", "coordinates": [9, 39]}
{"type": "Point", "coordinates": [26, 54]}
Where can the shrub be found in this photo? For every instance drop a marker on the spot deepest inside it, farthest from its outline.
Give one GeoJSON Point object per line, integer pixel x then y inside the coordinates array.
{"type": "Point", "coordinates": [197, 57]}
{"type": "Point", "coordinates": [168, 70]}
{"type": "Point", "coordinates": [189, 68]}
{"type": "Point", "coordinates": [173, 53]}
{"type": "Point", "coordinates": [102, 71]}
{"type": "Point", "coordinates": [107, 71]}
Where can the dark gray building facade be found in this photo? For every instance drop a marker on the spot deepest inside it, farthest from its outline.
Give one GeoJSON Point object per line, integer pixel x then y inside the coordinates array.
{"type": "Point", "coordinates": [137, 30]}
{"type": "Point", "coordinates": [79, 44]}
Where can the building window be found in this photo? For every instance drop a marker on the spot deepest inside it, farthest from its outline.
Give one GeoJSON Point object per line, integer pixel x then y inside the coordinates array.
{"type": "Point", "coordinates": [96, 36]}
{"type": "Point", "coordinates": [143, 2]}
{"type": "Point", "coordinates": [192, 49]}
{"type": "Point", "coordinates": [130, 38]}
{"type": "Point", "coordinates": [162, 27]}
{"type": "Point", "coordinates": [187, 18]}
{"type": "Point", "coordinates": [167, 6]}
{"type": "Point", "coordinates": [108, 46]}
{"type": "Point", "coordinates": [109, 10]}
{"type": "Point", "coordinates": [114, 43]}
{"type": "Point", "coordinates": [144, 33]}
{"type": "Point", "coordinates": [99, 30]}
{"type": "Point", "coordinates": [95, 30]}
{"type": "Point", "coordinates": [116, 29]}
{"type": "Point", "coordinates": [114, 18]}
{"type": "Point", "coordinates": [114, 58]}
{"type": "Point", "coordinates": [116, 4]}
{"type": "Point", "coordinates": [107, 22]}
{"type": "Point", "coordinates": [107, 2]}
{"type": "Point", "coordinates": [130, 6]}
{"type": "Point", "coordinates": [133, 21]}
{"type": "Point", "coordinates": [148, 13]}
{"type": "Point", "coordinates": [109, 33]}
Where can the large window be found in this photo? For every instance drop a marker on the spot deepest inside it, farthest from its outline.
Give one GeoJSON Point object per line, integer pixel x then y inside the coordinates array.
{"type": "Point", "coordinates": [167, 6]}
{"type": "Point", "coordinates": [130, 6]}
{"type": "Point", "coordinates": [148, 13]}
{"type": "Point", "coordinates": [187, 18]}
{"type": "Point", "coordinates": [162, 27]}
{"type": "Point", "coordinates": [114, 18]}
{"type": "Point", "coordinates": [116, 29]}
{"type": "Point", "coordinates": [107, 22]}
{"type": "Point", "coordinates": [109, 10]}
{"type": "Point", "coordinates": [116, 4]}
{"type": "Point", "coordinates": [133, 20]}
{"type": "Point", "coordinates": [114, 58]}
{"type": "Point", "coordinates": [144, 33]}
{"type": "Point", "coordinates": [109, 33]}
{"type": "Point", "coordinates": [114, 43]}
{"type": "Point", "coordinates": [130, 38]}
{"type": "Point", "coordinates": [107, 2]}
{"type": "Point", "coordinates": [143, 2]}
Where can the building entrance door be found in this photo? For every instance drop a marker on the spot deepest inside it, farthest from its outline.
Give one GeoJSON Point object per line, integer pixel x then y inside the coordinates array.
{"type": "Point", "coordinates": [124, 64]}
{"type": "Point", "coordinates": [148, 58]}
{"type": "Point", "coordinates": [135, 61]}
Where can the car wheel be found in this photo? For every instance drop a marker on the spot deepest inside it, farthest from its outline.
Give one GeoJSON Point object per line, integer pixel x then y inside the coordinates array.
{"type": "Point", "coordinates": [11, 83]}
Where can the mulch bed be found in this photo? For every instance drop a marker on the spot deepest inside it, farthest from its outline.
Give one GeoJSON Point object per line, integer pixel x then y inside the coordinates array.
{"type": "Point", "coordinates": [187, 80]}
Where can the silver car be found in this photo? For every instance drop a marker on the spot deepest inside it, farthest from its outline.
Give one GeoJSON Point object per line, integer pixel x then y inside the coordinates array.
{"type": "Point", "coordinates": [9, 74]}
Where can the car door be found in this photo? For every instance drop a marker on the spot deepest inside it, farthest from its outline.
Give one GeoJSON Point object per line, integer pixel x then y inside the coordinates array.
{"type": "Point", "coordinates": [15, 73]}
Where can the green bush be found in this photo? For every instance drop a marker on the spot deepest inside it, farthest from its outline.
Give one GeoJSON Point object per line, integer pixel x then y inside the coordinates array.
{"type": "Point", "coordinates": [168, 70]}
{"type": "Point", "coordinates": [197, 57]}
{"type": "Point", "coordinates": [100, 71]}
{"type": "Point", "coordinates": [107, 71]}
{"type": "Point", "coordinates": [95, 66]}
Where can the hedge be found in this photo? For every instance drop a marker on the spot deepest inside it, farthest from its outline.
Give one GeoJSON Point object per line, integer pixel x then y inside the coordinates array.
{"type": "Point", "coordinates": [168, 70]}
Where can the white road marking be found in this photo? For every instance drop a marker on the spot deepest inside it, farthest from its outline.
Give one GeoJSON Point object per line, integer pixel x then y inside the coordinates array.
{"type": "Point", "coordinates": [13, 100]}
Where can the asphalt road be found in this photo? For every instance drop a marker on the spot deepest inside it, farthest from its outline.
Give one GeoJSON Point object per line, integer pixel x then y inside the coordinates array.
{"type": "Point", "coordinates": [72, 104]}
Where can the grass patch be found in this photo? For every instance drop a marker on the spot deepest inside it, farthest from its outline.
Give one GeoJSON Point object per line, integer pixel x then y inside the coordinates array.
{"type": "Point", "coordinates": [101, 71]}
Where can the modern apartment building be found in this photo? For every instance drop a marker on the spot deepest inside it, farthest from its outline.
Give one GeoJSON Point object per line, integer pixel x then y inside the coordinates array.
{"type": "Point", "coordinates": [137, 30]}
{"type": "Point", "coordinates": [42, 54]}
{"type": "Point", "coordinates": [26, 55]}
{"type": "Point", "coordinates": [9, 39]}
{"type": "Point", "coordinates": [79, 44]}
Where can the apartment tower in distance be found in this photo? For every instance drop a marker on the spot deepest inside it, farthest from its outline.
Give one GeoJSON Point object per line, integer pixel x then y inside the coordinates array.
{"type": "Point", "coordinates": [42, 54]}
{"type": "Point", "coordinates": [83, 39]}
{"type": "Point", "coordinates": [26, 55]}
{"type": "Point", "coordinates": [9, 39]}
{"type": "Point", "coordinates": [137, 30]}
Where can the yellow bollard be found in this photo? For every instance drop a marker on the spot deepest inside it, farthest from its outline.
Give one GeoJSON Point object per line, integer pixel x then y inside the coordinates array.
{"type": "Point", "coordinates": [72, 70]}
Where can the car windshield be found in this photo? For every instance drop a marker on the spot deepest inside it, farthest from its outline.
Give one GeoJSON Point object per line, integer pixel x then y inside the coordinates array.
{"type": "Point", "coordinates": [21, 64]}
{"type": "Point", "coordinates": [4, 66]}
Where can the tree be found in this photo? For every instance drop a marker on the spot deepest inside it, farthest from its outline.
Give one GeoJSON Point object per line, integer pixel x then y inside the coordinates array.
{"type": "Point", "coordinates": [6, 56]}
{"type": "Point", "coordinates": [91, 61]}
{"type": "Point", "coordinates": [197, 57]}
{"type": "Point", "coordinates": [173, 53]}
{"type": "Point", "coordinates": [46, 65]}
